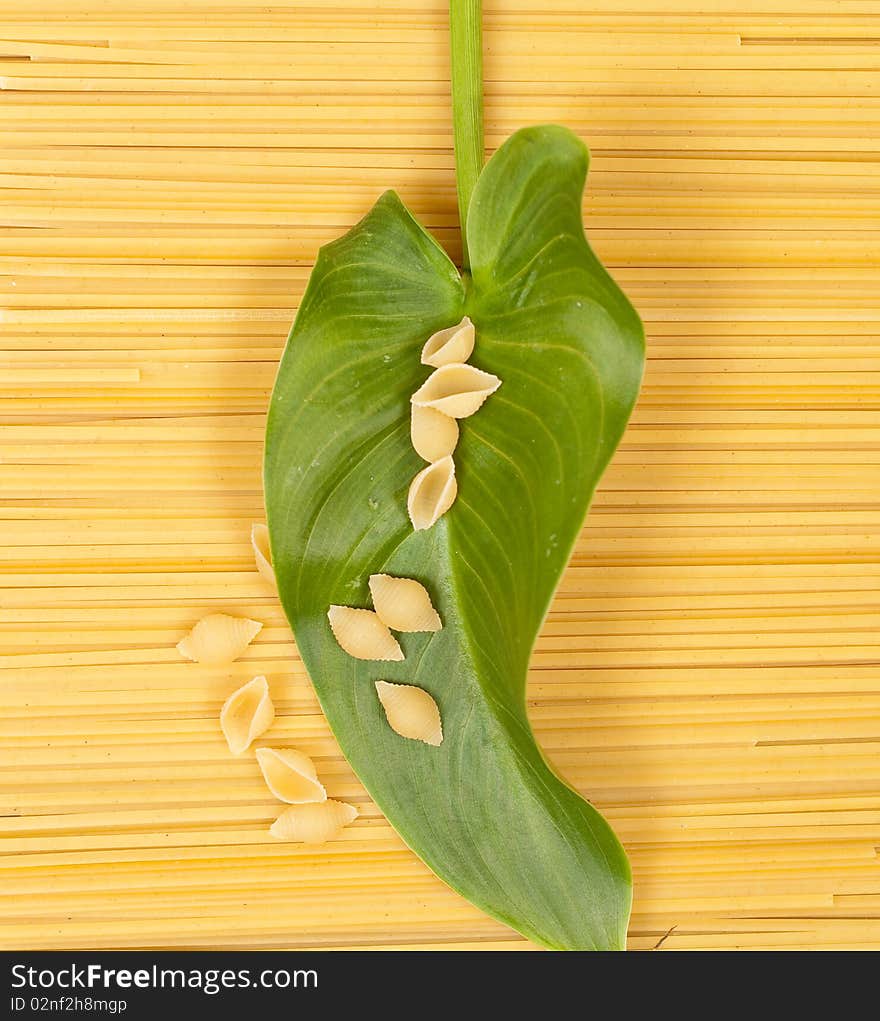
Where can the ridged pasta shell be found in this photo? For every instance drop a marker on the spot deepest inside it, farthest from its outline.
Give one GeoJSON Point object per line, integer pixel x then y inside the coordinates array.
{"type": "Point", "coordinates": [218, 639]}
{"type": "Point", "coordinates": [362, 634]}
{"type": "Point", "coordinates": [262, 553]}
{"type": "Point", "coordinates": [431, 493]}
{"type": "Point", "coordinates": [290, 775]}
{"type": "Point", "coordinates": [433, 434]}
{"type": "Point", "coordinates": [247, 713]}
{"type": "Point", "coordinates": [458, 390]}
{"type": "Point", "coordinates": [411, 712]}
{"type": "Point", "coordinates": [315, 823]}
{"type": "Point", "coordinates": [403, 604]}
{"type": "Point", "coordinates": [454, 344]}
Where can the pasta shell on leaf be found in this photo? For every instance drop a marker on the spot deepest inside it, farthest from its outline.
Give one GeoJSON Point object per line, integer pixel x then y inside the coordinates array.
{"type": "Point", "coordinates": [403, 604]}
{"type": "Point", "coordinates": [434, 435]}
{"type": "Point", "coordinates": [411, 712]}
{"type": "Point", "coordinates": [362, 634]}
{"type": "Point", "coordinates": [454, 344]}
{"type": "Point", "coordinates": [247, 713]}
{"type": "Point", "coordinates": [218, 639]}
{"type": "Point", "coordinates": [456, 389]}
{"type": "Point", "coordinates": [431, 493]}
{"type": "Point", "coordinates": [290, 775]}
{"type": "Point", "coordinates": [262, 553]}
{"type": "Point", "coordinates": [313, 823]}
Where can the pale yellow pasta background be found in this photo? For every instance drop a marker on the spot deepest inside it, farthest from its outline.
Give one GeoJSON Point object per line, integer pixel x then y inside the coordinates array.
{"type": "Point", "coordinates": [709, 672]}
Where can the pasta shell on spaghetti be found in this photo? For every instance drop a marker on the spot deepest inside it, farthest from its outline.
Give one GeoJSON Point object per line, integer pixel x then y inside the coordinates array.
{"type": "Point", "coordinates": [246, 714]}
{"type": "Point", "coordinates": [362, 634]}
{"type": "Point", "coordinates": [290, 775]}
{"type": "Point", "coordinates": [403, 604]}
{"type": "Point", "coordinates": [411, 712]}
{"type": "Point", "coordinates": [431, 493]}
{"type": "Point", "coordinates": [433, 434]}
{"type": "Point", "coordinates": [454, 344]}
{"type": "Point", "coordinates": [456, 389]}
{"type": "Point", "coordinates": [313, 823]}
{"type": "Point", "coordinates": [218, 639]}
{"type": "Point", "coordinates": [262, 553]}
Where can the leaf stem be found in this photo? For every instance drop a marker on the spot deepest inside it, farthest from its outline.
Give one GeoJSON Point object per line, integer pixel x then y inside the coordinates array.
{"type": "Point", "coordinates": [466, 48]}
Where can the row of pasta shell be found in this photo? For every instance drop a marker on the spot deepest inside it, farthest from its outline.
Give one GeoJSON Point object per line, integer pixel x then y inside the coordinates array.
{"type": "Point", "coordinates": [454, 390]}
{"type": "Point", "coordinates": [218, 640]}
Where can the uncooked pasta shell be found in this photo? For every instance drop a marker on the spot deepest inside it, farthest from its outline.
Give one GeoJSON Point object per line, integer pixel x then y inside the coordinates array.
{"type": "Point", "coordinates": [290, 775]}
{"type": "Point", "coordinates": [431, 493]}
{"type": "Point", "coordinates": [314, 823]}
{"type": "Point", "coordinates": [454, 344]}
{"type": "Point", "coordinates": [262, 553]}
{"type": "Point", "coordinates": [411, 712]}
{"type": "Point", "coordinates": [458, 390]}
{"type": "Point", "coordinates": [434, 435]}
{"type": "Point", "coordinates": [362, 634]}
{"type": "Point", "coordinates": [403, 604]}
{"type": "Point", "coordinates": [247, 713]}
{"type": "Point", "coordinates": [218, 639]}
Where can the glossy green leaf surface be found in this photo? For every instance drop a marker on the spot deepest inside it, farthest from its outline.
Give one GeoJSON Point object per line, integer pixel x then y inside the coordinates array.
{"type": "Point", "coordinates": [484, 810]}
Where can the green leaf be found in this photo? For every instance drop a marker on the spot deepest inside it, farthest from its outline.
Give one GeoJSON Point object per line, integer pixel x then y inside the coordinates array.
{"type": "Point", "coordinates": [484, 810]}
